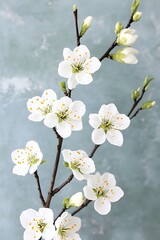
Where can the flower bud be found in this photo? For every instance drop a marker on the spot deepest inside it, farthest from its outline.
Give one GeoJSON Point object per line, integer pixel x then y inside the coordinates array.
{"type": "Point", "coordinates": [63, 86]}
{"type": "Point", "coordinates": [137, 16]}
{"type": "Point", "coordinates": [146, 82]}
{"type": "Point", "coordinates": [74, 8]}
{"type": "Point", "coordinates": [126, 37]}
{"type": "Point", "coordinates": [85, 25]}
{"type": "Point", "coordinates": [125, 55]}
{"type": "Point", "coordinates": [118, 28]}
{"type": "Point", "coordinates": [136, 94]}
{"type": "Point", "coordinates": [76, 200]}
{"type": "Point", "coordinates": [148, 104]}
{"type": "Point", "coordinates": [135, 5]}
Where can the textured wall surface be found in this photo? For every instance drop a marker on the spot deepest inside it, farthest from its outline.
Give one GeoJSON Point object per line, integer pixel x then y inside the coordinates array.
{"type": "Point", "coordinates": [32, 37]}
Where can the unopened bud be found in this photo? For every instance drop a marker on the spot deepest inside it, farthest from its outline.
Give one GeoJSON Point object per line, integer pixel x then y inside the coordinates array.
{"type": "Point", "coordinates": [118, 28]}
{"type": "Point", "coordinates": [136, 94]}
{"type": "Point", "coordinates": [146, 82]}
{"type": "Point", "coordinates": [148, 104]}
{"type": "Point", "coordinates": [76, 200]}
{"type": "Point", "coordinates": [63, 86]}
{"type": "Point", "coordinates": [137, 16]}
{"type": "Point", "coordinates": [74, 8]}
{"type": "Point", "coordinates": [85, 25]}
{"type": "Point", "coordinates": [135, 5]}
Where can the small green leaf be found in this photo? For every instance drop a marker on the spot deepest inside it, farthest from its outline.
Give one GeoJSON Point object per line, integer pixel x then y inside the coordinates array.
{"type": "Point", "coordinates": [146, 82]}
{"type": "Point", "coordinates": [43, 161]}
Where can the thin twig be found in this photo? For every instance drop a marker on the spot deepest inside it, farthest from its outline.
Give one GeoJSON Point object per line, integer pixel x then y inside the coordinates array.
{"type": "Point", "coordinates": [62, 211]}
{"type": "Point", "coordinates": [136, 102]}
{"type": "Point", "coordinates": [81, 207]}
{"type": "Point", "coordinates": [76, 25]}
{"type": "Point", "coordinates": [59, 146]}
{"type": "Point", "coordinates": [138, 110]}
{"type": "Point", "coordinates": [94, 150]}
{"type": "Point", "coordinates": [114, 44]}
{"type": "Point", "coordinates": [39, 188]}
{"type": "Point", "coordinates": [56, 190]}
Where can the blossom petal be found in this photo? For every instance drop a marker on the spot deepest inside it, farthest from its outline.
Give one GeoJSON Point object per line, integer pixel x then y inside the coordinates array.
{"type": "Point", "coordinates": [115, 137]}
{"type": "Point", "coordinates": [98, 136]}
{"type": "Point", "coordinates": [89, 166]}
{"type": "Point", "coordinates": [94, 180]}
{"type": "Point", "coordinates": [65, 69]}
{"type": "Point", "coordinates": [67, 54]}
{"type": "Point", "coordinates": [108, 180]}
{"type": "Point", "coordinates": [78, 175]}
{"type": "Point", "coordinates": [83, 78]}
{"type": "Point", "coordinates": [67, 155]}
{"type": "Point", "coordinates": [48, 232]}
{"type": "Point", "coordinates": [21, 169]}
{"type": "Point", "coordinates": [114, 194]}
{"type": "Point", "coordinates": [64, 129]}
{"type": "Point", "coordinates": [102, 206]}
{"type": "Point", "coordinates": [72, 83]}
{"type": "Point", "coordinates": [50, 120]}
{"type": "Point", "coordinates": [47, 214]}
{"type": "Point", "coordinates": [89, 193]}
{"type": "Point", "coordinates": [81, 52]}
{"type": "Point", "coordinates": [32, 145]}
{"type": "Point", "coordinates": [26, 217]}
{"type": "Point", "coordinates": [36, 117]}
{"type": "Point", "coordinates": [92, 65]}
{"type": "Point", "coordinates": [107, 111]}
{"type": "Point", "coordinates": [34, 103]}
{"type": "Point", "coordinates": [77, 109]}
{"type": "Point", "coordinates": [76, 125]}
{"type": "Point", "coordinates": [74, 236]}
{"type": "Point", "coordinates": [31, 234]}
{"type": "Point", "coordinates": [94, 120]}
{"type": "Point", "coordinates": [19, 155]}
{"type": "Point", "coordinates": [120, 121]}
{"type": "Point", "coordinates": [34, 167]}
{"type": "Point", "coordinates": [49, 94]}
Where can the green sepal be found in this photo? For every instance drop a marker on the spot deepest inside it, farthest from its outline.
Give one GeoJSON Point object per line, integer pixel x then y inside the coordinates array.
{"type": "Point", "coordinates": [146, 82]}
{"type": "Point", "coordinates": [65, 203]}
{"type": "Point", "coordinates": [148, 104]}
{"type": "Point", "coordinates": [43, 161]}
{"type": "Point", "coordinates": [135, 94]}
{"type": "Point", "coordinates": [63, 86]}
{"type": "Point", "coordinates": [66, 164]}
{"type": "Point", "coordinates": [135, 5]}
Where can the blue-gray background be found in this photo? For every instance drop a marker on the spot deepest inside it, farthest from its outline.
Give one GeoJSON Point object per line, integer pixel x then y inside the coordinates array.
{"type": "Point", "coordinates": [32, 37]}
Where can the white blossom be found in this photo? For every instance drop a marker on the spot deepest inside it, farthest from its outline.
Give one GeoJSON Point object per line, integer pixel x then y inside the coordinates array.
{"type": "Point", "coordinates": [107, 124]}
{"type": "Point", "coordinates": [27, 159]}
{"type": "Point", "coordinates": [127, 37]}
{"type": "Point", "coordinates": [38, 224]}
{"type": "Point", "coordinates": [76, 200]}
{"type": "Point", "coordinates": [79, 162]}
{"type": "Point", "coordinates": [103, 190]}
{"type": "Point", "coordinates": [78, 66]}
{"type": "Point", "coordinates": [126, 55]}
{"type": "Point", "coordinates": [66, 116]}
{"type": "Point", "coordinates": [67, 227]}
{"type": "Point", "coordinates": [41, 106]}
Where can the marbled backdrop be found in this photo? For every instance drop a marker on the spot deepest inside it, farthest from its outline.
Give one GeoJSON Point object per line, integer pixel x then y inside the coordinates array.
{"type": "Point", "coordinates": [32, 37]}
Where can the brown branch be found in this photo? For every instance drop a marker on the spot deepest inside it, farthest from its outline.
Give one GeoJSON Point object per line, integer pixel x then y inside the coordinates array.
{"type": "Point", "coordinates": [39, 188]}
{"type": "Point", "coordinates": [76, 25]}
{"type": "Point", "coordinates": [59, 146]}
{"type": "Point", "coordinates": [56, 190]}
{"type": "Point", "coordinates": [138, 110]}
{"type": "Point", "coordinates": [114, 44]}
{"type": "Point", "coordinates": [81, 207]}
{"type": "Point", "coordinates": [94, 150]}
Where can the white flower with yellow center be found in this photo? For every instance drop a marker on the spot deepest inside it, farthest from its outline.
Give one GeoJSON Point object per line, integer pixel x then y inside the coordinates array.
{"type": "Point", "coordinates": [127, 37]}
{"type": "Point", "coordinates": [66, 116]}
{"type": "Point", "coordinates": [41, 106]}
{"type": "Point", "coordinates": [67, 227]}
{"type": "Point", "coordinates": [78, 66]}
{"type": "Point", "coordinates": [79, 162]}
{"type": "Point", "coordinates": [107, 124]}
{"type": "Point", "coordinates": [27, 159]}
{"type": "Point", "coordinates": [103, 190]}
{"type": "Point", "coordinates": [38, 224]}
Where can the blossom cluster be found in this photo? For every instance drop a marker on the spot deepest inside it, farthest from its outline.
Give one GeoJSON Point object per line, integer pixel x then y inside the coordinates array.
{"type": "Point", "coordinates": [64, 116]}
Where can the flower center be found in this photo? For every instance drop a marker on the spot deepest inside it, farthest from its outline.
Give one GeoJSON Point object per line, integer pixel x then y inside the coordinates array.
{"type": "Point", "coordinates": [46, 109]}
{"type": "Point", "coordinates": [75, 165]}
{"type": "Point", "coordinates": [76, 68]}
{"type": "Point", "coordinates": [62, 231]}
{"type": "Point", "coordinates": [100, 192]}
{"type": "Point", "coordinates": [62, 115]}
{"type": "Point", "coordinates": [105, 125]}
{"type": "Point", "coordinates": [41, 225]}
{"type": "Point", "coordinates": [32, 159]}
